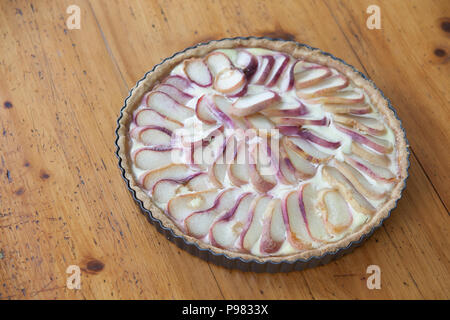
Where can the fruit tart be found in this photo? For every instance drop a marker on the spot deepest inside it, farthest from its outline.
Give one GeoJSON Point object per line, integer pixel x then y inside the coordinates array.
{"type": "Point", "coordinates": [255, 151]}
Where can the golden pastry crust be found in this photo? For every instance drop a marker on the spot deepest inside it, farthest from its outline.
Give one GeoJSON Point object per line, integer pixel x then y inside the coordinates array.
{"type": "Point", "coordinates": [297, 51]}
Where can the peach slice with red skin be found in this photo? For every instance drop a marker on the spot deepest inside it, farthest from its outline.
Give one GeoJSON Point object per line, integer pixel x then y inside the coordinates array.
{"type": "Point", "coordinates": [337, 180]}
{"type": "Point", "coordinates": [182, 206]}
{"type": "Point", "coordinates": [298, 109]}
{"type": "Point", "coordinates": [265, 64]}
{"type": "Point", "coordinates": [259, 160]}
{"type": "Point", "coordinates": [336, 214]}
{"type": "Point", "coordinates": [247, 62]}
{"type": "Point", "coordinates": [175, 93]}
{"type": "Point", "coordinates": [171, 171]}
{"type": "Point", "coordinates": [356, 109]}
{"type": "Point", "coordinates": [306, 150]}
{"type": "Point", "coordinates": [359, 181]}
{"type": "Point", "coordinates": [217, 62]}
{"type": "Point", "coordinates": [238, 169]}
{"type": "Point", "coordinates": [287, 80]}
{"type": "Point", "coordinates": [295, 222]}
{"type": "Point", "coordinates": [368, 125]}
{"type": "Point", "coordinates": [308, 135]}
{"type": "Point", "coordinates": [225, 231]}
{"type": "Point", "coordinates": [281, 61]}
{"type": "Point", "coordinates": [199, 222]}
{"type": "Point", "coordinates": [253, 103]}
{"type": "Point", "coordinates": [295, 121]}
{"type": "Point", "coordinates": [325, 87]}
{"type": "Point", "coordinates": [150, 117]}
{"type": "Point", "coordinates": [152, 135]}
{"type": "Point", "coordinates": [222, 111]}
{"type": "Point", "coordinates": [374, 143]}
{"type": "Point", "coordinates": [303, 168]}
{"type": "Point", "coordinates": [313, 220]}
{"type": "Point", "coordinates": [375, 158]}
{"type": "Point", "coordinates": [253, 226]}
{"type": "Point", "coordinates": [179, 82]}
{"type": "Point", "coordinates": [345, 97]}
{"type": "Point", "coordinates": [152, 157]}
{"type": "Point", "coordinates": [273, 231]}
{"type": "Point", "coordinates": [198, 72]}
{"type": "Point", "coordinates": [165, 105]}
{"type": "Point", "coordinates": [229, 81]}
{"type": "Point", "coordinates": [287, 172]}
{"type": "Point", "coordinates": [218, 169]}
{"type": "Point", "coordinates": [378, 173]}
{"type": "Point", "coordinates": [203, 110]}
{"type": "Point", "coordinates": [259, 121]}
{"type": "Point", "coordinates": [307, 74]}
{"type": "Point", "coordinates": [166, 189]}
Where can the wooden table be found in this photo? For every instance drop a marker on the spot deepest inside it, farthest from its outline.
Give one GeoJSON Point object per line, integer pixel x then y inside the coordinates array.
{"type": "Point", "coordinates": [63, 201]}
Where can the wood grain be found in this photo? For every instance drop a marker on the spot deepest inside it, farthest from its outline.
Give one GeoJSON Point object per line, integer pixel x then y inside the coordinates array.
{"type": "Point", "coordinates": [63, 201]}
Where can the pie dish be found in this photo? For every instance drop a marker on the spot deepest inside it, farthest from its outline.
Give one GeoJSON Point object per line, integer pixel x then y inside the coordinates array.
{"type": "Point", "coordinates": [262, 154]}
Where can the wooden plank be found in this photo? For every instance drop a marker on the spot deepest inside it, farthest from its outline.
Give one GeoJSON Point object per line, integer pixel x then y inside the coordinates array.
{"type": "Point", "coordinates": [409, 60]}
{"type": "Point", "coordinates": [345, 278]}
{"type": "Point", "coordinates": [62, 199]}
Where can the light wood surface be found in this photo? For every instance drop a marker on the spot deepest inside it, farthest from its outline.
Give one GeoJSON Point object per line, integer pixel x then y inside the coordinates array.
{"type": "Point", "coordinates": [63, 201]}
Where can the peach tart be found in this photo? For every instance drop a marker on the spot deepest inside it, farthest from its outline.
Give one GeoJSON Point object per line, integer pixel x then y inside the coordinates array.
{"type": "Point", "coordinates": [262, 150]}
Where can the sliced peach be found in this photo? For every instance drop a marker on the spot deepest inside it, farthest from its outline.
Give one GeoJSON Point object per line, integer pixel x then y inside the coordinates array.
{"type": "Point", "coordinates": [341, 97]}
{"type": "Point", "coordinates": [171, 171]}
{"type": "Point", "coordinates": [377, 144]}
{"type": "Point", "coordinates": [356, 109]}
{"type": "Point", "coordinates": [253, 227]}
{"type": "Point", "coordinates": [149, 117]}
{"type": "Point", "coordinates": [198, 72]}
{"type": "Point", "coordinates": [152, 135]}
{"type": "Point", "coordinates": [303, 167]}
{"type": "Point", "coordinates": [336, 214]}
{"type": "Point", "coordinates": [281, 61]}
{"type": "Point", "coordinates": [247, 62]}
{"type": "Point", "coordinates": [295, 121]}
{"type": "Point", "coordinates": [306, 150]}
{"type": "Point", "coordinates": [287, 80]}
{"type": "Point", "coordinates": [152, 157]}
{"type": "Point", "coordinates": [165, 105]}
{"type": "Point", "coordinates": [337, 180]}
{"type": "Point", "coordinates": [259, 121]}
{"type": "Point", "coordinates": [325, 87]}
{"type": "Point", "coordinates": [281, 110]}
{"type": "Point", "coordinates": [217, 62]}
{"type": "Point", "coordinates": [199, 222]}
{"type": "Point", "coordinates": [273, 231]}
{"type": "Point", "coordinates": [261, 171]}
{"type": "Point", "coordinates": [307, 74]}
{"type": "Point", "coordinates": [203, 110]}
{"type": "Point", "coordinates": [166, 189]}
{"type": "Point", "coordinates": [265, 64]}
{"type": "Point", "coordinates": [229, 81]}
{"type": "Point", "coordinates": [359, 181]}
{"type": "Point", "coordinates": [175, 93]}
{"type": "Point", "coordinates": [314, 223]}
{"type": "Point", "coordinates": [295, 222]}
{"type": "Point", "coordinates": [180, 207]}
{"type": "Point", "coordinates": [179, 82]}
{"type": "Point", "coordinates": [251, 104]}
{"type": "Point", "coordinates": [225, 232]}
{"type": "Point", "coordinates": [238, 168]}
{"type": "Point", "coordinates": [378, 173]}
{"type": "Point", "coordinates": [375, 158]}
{"type": "Point", "coordinates": [368, 125]}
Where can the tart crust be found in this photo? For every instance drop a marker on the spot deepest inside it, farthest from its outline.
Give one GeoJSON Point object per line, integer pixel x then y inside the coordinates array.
{"type": "Point", "coordinates": [298, 51]}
